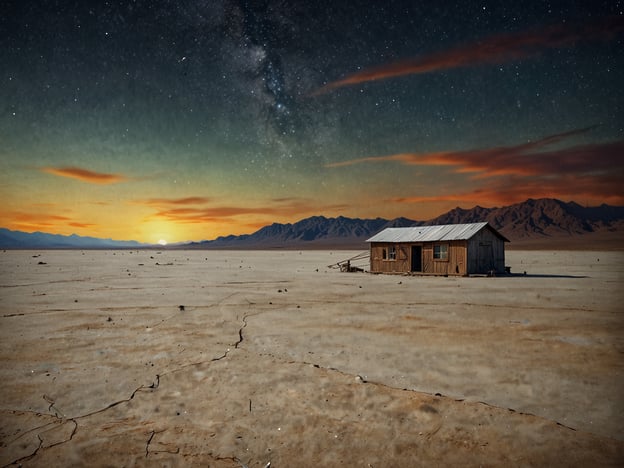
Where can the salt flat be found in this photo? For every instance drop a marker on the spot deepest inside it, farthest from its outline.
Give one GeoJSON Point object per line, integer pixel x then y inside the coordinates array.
{"type": "Point", "coordinates": [214, 358]}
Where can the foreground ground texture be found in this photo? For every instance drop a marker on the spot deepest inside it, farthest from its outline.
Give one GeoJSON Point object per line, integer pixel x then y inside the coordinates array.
{"type": "Point", "coordinates": [230, 359]}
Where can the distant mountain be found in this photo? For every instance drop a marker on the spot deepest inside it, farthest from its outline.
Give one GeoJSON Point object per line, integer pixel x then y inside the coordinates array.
{"type": "Point", "coordinates": [317, 231]}
{"type": "Point", "coordinates": [532, 220]}
{"type": "Point", "coordinates": [25, 240]}
{"type": "Point", "coordinates": [541, 218]}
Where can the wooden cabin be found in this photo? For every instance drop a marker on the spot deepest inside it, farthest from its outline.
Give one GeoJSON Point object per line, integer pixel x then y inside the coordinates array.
{"type": "Point", "coordinates": [451, 249]}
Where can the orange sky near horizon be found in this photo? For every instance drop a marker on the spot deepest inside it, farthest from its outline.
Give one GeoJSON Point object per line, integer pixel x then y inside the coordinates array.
{"type": "Point", "coordinates": [70, 200]}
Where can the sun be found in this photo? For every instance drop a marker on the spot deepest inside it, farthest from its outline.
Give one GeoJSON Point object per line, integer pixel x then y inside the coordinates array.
{"type": "Point", "coordinates": [162, 242]}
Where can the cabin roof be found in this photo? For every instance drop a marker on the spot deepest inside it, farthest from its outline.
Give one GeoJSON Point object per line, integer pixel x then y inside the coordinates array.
{"type": "Point", "coordinates": [444, 232]}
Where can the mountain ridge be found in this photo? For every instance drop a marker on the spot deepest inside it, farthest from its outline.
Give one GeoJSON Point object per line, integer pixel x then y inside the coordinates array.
{"type": "Point", "coordinates": [546, 217]}
{"type": "Point", "coordinates": [31, 240]}
{"type": "Point", "coordinates": [531, 220]}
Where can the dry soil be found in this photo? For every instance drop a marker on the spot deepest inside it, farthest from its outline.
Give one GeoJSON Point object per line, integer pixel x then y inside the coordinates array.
{"type": "Point", "coordinates": [230, 359]}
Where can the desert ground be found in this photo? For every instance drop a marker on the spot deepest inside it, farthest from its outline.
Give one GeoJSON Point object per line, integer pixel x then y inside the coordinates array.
{"type": "Point", "coordinates": [230, 359]}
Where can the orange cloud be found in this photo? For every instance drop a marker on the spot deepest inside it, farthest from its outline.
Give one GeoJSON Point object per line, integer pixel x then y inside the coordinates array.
{"type": "Point", "coordinates": [85, 175]}
{"type": "Point", "coordinates": [24, 217]}
{"type": "Point", "coordinates": [175, 210]}
{"type": "Point", "coordinates": [175, 201]}
{"type": "Point", "coordinates": [41, 221]}
{"type": "Point", "coordinates": [497, 49]}
{"type": "Point", "coordinates": [82, 225]}
{"type": "Point", "coordinates": [512, 173]}
{"type": "Point", "coordinates": [405, 158]}
{"type": "Point", "coordinates": [526, 159]}
{"type": "Point", "coordinates": [513, 189]}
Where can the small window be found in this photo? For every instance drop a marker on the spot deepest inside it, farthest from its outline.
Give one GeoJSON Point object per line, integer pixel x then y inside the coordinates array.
{"type": "Point", "coordinates": [392, 253]}
{"type": "Point", "coordinates": [440, 252]}
{"type": "Point", "coordinates": [384, 254]}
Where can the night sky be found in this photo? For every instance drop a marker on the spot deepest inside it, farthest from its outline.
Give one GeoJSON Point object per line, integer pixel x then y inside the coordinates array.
{"type": "Point", "coordinates": [186, 120]}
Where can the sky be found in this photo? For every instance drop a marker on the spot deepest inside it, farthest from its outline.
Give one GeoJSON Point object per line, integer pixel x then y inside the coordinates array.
{"type": "Point", "coordinates": [189, 119]}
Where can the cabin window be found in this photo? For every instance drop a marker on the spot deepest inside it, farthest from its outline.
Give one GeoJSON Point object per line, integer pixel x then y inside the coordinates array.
{"type": "Point", "coordinates": [440, 252]}
{"type": "Point", "coordinates": [392, 253]}
{"type": "Point", "coordinates": [384, 254]}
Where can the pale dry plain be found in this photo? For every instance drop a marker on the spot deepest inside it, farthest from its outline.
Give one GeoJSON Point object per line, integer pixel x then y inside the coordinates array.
{"type": "Point", "coordinates": [277, 358]}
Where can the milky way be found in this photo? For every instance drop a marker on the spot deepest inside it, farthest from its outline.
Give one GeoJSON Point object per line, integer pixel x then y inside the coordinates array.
{"type": "Point", "coordinates": [259, 30]}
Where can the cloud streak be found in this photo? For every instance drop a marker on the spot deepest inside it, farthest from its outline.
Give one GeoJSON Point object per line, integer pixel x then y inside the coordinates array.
{"type": "Point", "coordinates": [511, 189]}
{"type": "Point", "coordinates": [85, 175]}
{"type": "Point", "coordinates": [526, 159]}
{"type": "Point", "coordinates": [175, 201]}
{"type": "Point", "coordinates": [199, 210]}
{"type": "Point", "coordinates": [496, 49]}
{"type": "Point", "coordinates": [31, 221]}
{"type": "Point", "coordinates": [512, 173]}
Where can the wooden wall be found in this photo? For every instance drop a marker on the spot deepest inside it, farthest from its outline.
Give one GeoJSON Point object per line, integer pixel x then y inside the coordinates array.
{"type": "Point", "coordinates": [455, 264]}
{"type": "Point", "coordinates": [486, 252]}
{"type": "Point", "coordinates": [400, 265]}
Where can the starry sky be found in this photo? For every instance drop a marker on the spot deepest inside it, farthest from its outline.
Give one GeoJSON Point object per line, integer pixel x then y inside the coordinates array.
{"type": "Point", "coordinates": [189, 119]}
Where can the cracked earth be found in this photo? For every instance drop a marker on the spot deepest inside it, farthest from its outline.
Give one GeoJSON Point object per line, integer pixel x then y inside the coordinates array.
{"type": "Point", "coordinates": [230, 359]}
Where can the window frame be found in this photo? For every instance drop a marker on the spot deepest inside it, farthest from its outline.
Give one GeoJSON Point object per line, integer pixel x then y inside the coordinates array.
{"type": "Point", "coordinates": [392, 253]}
{"type": "Point", "coordinates": [443, 252]}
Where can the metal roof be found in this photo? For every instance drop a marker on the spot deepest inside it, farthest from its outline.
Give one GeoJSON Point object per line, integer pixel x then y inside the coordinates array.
{"type": "Point", "coordinates": [446, 232]}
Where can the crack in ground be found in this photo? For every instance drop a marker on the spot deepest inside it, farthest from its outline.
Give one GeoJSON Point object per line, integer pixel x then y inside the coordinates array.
{"type": "Point", "coordinates": [28, 457]}
{"type": "Point", "coordinates": [240, 331]}
{"type": "Point", "coordinates": [149, 441]}
{"type": "Point", "coordinates": [62, 419]}
{"type": "Point", "coordinates": [39, 447]}
{"type": "Point", "coordinates": [222, 356]}
{"type": "Point", "coordinates": [360, 379]}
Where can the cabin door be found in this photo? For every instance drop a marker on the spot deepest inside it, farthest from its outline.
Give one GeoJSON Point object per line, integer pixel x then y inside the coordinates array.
{"type": "Point", "coordinates": [416, 258]}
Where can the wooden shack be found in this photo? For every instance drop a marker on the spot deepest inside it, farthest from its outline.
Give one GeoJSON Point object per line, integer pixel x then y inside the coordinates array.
{"type": "Point", "coordinates": [450, 249]}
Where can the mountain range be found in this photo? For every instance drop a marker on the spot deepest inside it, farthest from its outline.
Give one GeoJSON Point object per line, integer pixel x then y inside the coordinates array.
{"type": "Point", "coordinates": [545, 217]}
{"type": "Point", "coordinates": [31, 240]}
{"type": "Point", "coordinates": [534, 223]}
{"type": "Point", "coordinates": [527, 223]}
